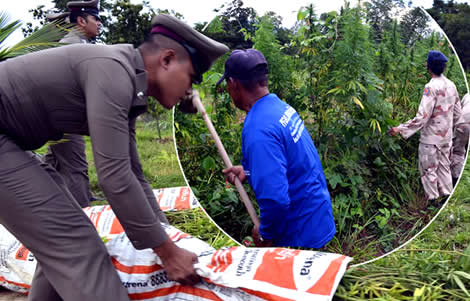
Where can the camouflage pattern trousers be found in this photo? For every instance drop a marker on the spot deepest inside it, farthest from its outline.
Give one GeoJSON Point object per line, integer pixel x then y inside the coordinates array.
{"type": "Point", "coordinates": [434, 166]}
{"type": "Point", "coordinates": [459, 145]}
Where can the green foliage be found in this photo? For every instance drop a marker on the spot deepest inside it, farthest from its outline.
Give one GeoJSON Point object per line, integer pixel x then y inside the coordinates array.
{"type": "Point", "coordinates": [196, 223]}
{"type": "Point", "coordinates": [414, 26]}
{"type": "Point", "coordinates": [236, 18]}
{"type": "Point", "coordinates": [280, 79]}
{"type": "Point", "coordinates": [201, 162]}
{"type": "Point", "coordinates": [434, 266]}
{"type": "Point", "coordinates": [454, 18]}
{"type": "Point", "coordinates": [161, 169]}
{"type": "Point", "coordinates": [159, 114]}
{"type": "Point", "coordinates": [44, 38]}
{"type": "Point", "coordinates": [379, 16]}
{"type": "Point", "coordinates": [131, 25]}
{"type": "Point", "coordinates": [232, 26]}
{"type": "Point", "coordinates": [350, 89]}
{"type": "Point", "coordinates": [38, 14]}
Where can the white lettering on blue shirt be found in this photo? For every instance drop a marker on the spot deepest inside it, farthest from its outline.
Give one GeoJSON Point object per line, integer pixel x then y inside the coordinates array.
{"type": "Point", "coordinates": [296, 127]}
{"type": "Point", "coordinates": [287, 116]}
{"type": "Point", "coordinates": [297, 137]}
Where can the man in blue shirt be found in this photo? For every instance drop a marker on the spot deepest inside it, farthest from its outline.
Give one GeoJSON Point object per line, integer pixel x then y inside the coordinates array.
{"type": "Point", "coordinates": [279, 160]}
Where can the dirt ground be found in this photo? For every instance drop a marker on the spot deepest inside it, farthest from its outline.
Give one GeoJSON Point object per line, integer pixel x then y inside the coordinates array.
{"type": "Point", "coordinates": [6, 295]}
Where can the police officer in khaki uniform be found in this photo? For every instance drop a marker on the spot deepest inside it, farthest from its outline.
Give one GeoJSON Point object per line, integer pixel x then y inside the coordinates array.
{"type": "Point", "coordinates": [68, 156]}
{"type": "Point", "coordinates": [95, 90]}
{"type": "Point", "coordinates": [85, 16]}
{"type": "Point", "coordinates": [438, 111]}
{"type": "Point", "coordinates": [460, 141]}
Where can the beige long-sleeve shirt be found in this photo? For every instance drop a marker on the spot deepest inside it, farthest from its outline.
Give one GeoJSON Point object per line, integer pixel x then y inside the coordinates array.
{"type": "Point", "coordinates": [438, 111]}
{"type": "Point", "coordinates": [94, 90]}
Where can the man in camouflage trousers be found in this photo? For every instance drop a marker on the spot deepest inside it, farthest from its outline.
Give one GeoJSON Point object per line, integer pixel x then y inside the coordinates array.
{"type": "Point", "coordinates": [438, 111]}
{"type": "Point", "coordinates": [460, 141]}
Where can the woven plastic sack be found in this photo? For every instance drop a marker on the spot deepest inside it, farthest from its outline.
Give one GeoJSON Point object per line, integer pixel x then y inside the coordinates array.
{"type": "Point", "coordinates": [232, 274]}
{"type": "Point", "coordinates": [176, 198]}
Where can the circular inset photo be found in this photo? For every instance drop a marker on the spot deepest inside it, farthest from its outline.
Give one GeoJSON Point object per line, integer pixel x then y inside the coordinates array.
{"type": "Point", "coordinates": [340, 127]}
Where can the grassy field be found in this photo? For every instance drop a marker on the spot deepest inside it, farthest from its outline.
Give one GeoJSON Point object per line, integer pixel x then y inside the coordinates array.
{"type": "Point", "coordinates": [434, 266]}
{"type": "Point", "coordinates": [161, 168]}
{"type": "Point", "coordinates": [158, 158]}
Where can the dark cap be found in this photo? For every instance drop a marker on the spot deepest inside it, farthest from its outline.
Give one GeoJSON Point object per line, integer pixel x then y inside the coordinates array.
{"type": "Point", "coordinates": [245, 65]}
{"type": "Point", "coordinates": [436, 57]}
{"type": "Point", "coordinates": [89, 7]}
{"type": "Point", "coordinates": [203, 50]}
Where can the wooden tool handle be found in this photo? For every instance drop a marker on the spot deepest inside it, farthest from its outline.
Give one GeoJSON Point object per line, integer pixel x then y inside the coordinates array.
{"type": "Point", "coordinates": [220, 147]}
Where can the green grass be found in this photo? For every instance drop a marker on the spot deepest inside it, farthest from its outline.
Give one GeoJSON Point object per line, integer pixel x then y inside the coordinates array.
{"type": "Point", "coordinates": [434, 266]}
{"type": "Point", "coordinates": [196, 223]}
{"type": "Point", "coordinates": [158, 157]}
{"type": "Point", "coordinates": [161, 168]}
{"type": "Point", "coordinates": [431, 267]}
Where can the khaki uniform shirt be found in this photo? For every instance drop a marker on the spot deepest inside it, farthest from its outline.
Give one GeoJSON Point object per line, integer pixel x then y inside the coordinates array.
{"type": "Point", "coordinates": [94, 90]}
{"type": "Point", "coordinates": [75, 36]}
{"type": "Point", "coordinates": [438, 111]}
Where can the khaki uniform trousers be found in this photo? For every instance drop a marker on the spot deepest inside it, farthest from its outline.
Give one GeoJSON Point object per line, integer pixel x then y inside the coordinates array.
{"type": "Point", "coordinates": [434, 166]}
{"type": "Point", "coordinates": [69, 159]}
{"type": "Point", "coordinates": [37, 208]}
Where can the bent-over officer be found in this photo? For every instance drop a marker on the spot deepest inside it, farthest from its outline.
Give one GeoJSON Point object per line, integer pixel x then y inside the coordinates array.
{"type": "Point", "coordinates": [460, 141]}
{"type": "Point", "coordinates": [95, 90]}
{"type": "Point", "coordinates": [438, 111]}
{"type": "Point", "coordinates": [68, 157]}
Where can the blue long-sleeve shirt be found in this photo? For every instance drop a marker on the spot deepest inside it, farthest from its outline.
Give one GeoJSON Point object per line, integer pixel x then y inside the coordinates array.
{"type": "Point", "coordinates": [285, 172]}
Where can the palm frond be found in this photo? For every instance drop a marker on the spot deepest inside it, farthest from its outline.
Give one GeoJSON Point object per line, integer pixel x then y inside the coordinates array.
{"type": "Point", "coordinates": [6, 29]}
{"type": "Point", "coordinates": [46, 37]}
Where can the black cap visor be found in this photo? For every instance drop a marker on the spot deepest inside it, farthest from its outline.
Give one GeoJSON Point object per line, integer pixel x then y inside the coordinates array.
{"type": "Point", "coordinates": [221, 79]}
{"type": "Point", "coordinates": [196, 60]}
{"type": "Point", "coordinates": [256, 72]}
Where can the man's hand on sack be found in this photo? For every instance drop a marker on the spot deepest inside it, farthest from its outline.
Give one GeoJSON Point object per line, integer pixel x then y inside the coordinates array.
{"type": "Point", "coordinates": [178, 263]}
{"type": "Point", "coordinates": [393, 131]}
{"type": "Point", "coordinates": [234, 171]}
{"type": "Point", "coordinates": [258, 240]}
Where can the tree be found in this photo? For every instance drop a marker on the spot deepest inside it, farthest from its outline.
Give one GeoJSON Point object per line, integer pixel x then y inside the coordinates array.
{"type": "Point", "coordinates": [454, 19]}
{"type": "Point", "coordinates": [414, 26]}
{"type": "Point", "coordinates": [234, 19]}
{"type": "Point", "coordinates": [379, 16]}
{"type": "Point", "coordinates": [283, 35]}
{"type": "Point", "coordinates": [38, 14]}
{"type": "Point", "coordinates": [280, 79]}
{"type": "Point", "coordinates": [131, 23]}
